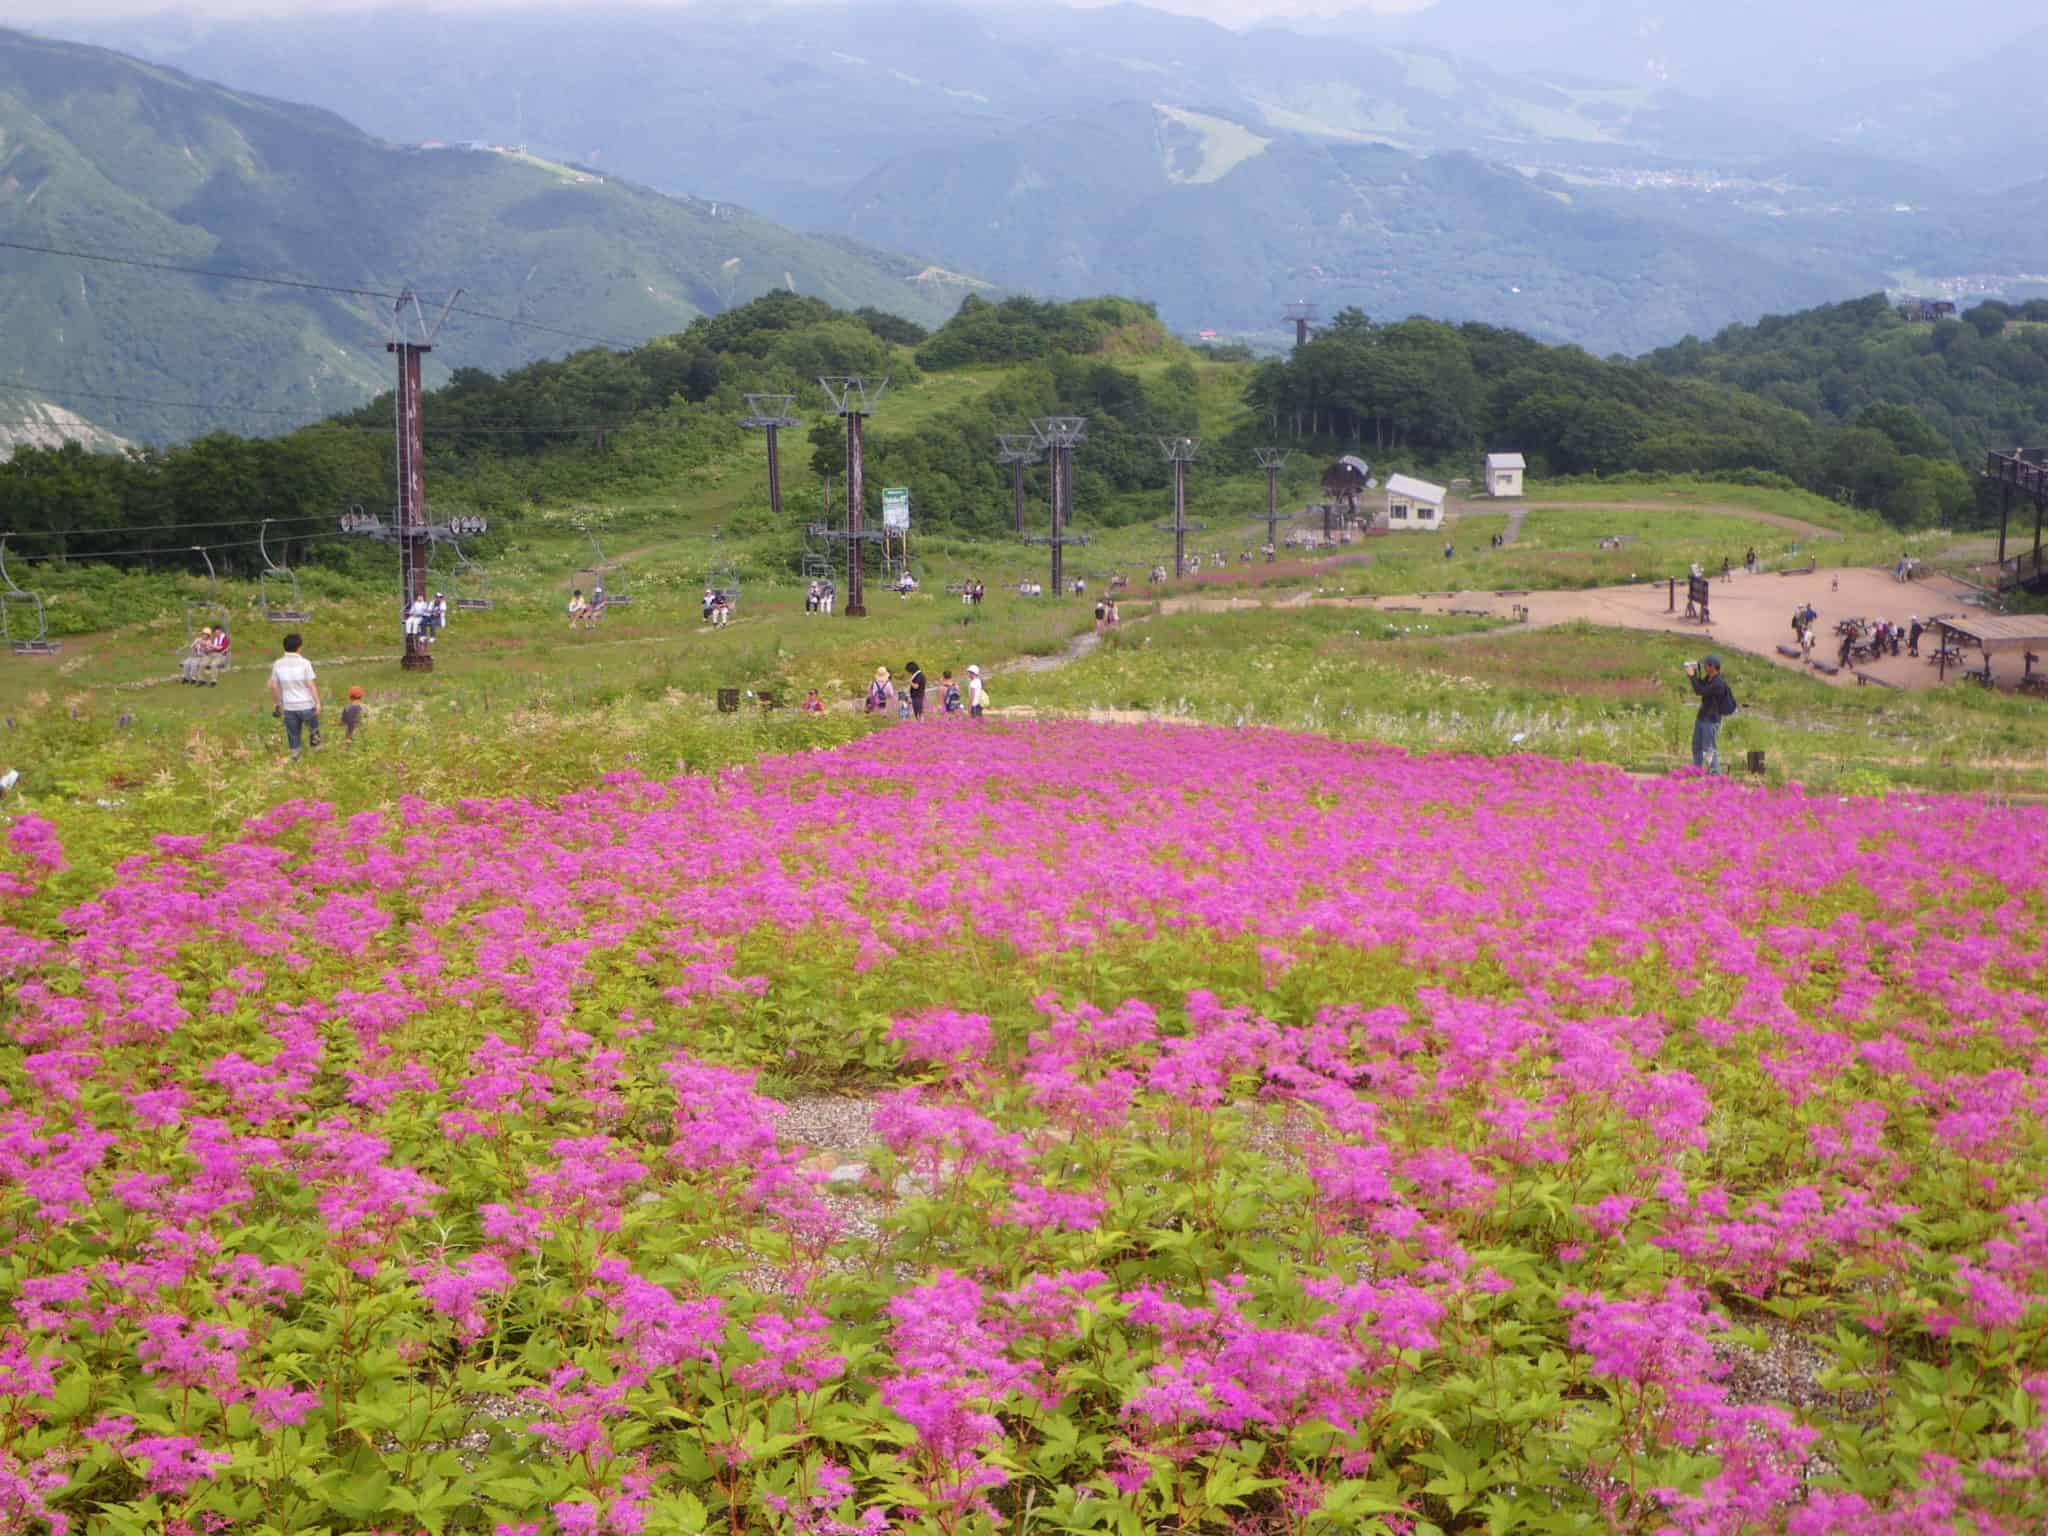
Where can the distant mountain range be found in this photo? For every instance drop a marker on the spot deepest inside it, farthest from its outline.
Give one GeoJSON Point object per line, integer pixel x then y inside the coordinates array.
{"type": "Point", "coordinates": [1479, 160]}
{"type": "Point", "coordinates": [1219, 172]}
{"type": "Point", "coordinates": [102, 153]}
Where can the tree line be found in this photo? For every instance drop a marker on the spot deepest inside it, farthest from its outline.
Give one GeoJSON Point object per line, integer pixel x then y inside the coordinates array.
{"type": "Point", "coordinates": [1441, 395]}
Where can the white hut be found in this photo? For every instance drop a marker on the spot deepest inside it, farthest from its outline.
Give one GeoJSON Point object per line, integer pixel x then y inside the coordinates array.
{"type": "Point", "coordinates": [1413, 506]}
{"type": "Point", "coordinates": [1504, 473]}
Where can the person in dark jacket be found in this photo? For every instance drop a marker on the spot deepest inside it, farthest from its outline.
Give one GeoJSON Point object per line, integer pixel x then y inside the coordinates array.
{"type": "Point", "coordinates": [1913, 636]}
{"type": "Point", "coordinates": [1717, 703]}
{"type": "Point", "coordinates": [914, 687]}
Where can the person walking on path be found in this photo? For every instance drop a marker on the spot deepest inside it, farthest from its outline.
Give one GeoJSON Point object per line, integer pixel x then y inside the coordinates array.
{"type": "Point", "coordinates": [913, 685]}
{"type": "Point", "coordinates": [295, 695]}
{"type": "Point", "coordinates": [977, 694]}
{"type": "Point", "coordinates": [1913, 636]}
{"type": "Point", "coordinates": [1717, 703]}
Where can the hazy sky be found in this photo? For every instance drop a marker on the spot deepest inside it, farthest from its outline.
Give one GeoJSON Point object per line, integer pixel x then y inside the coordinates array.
{"type": "Point", "coordinates": [1230, 12]}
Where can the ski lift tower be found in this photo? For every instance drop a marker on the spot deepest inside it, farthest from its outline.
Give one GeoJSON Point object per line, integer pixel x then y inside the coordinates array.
{"type": "Point", "coordinates": [1301, 315]}
{"type": "Point", "coordinates": [1057, 435]}
{"type": "Point", "coordinates": [1272, 461]}
{"type": "Point", "coordinates": [1180, 452]}
{"type": "Point", "coordinates": [411, 338]}
{"type": "Point", "coordinates": [1019, 451]}
{"type": "Point", "coordinates": [770, 414]}
{"type": "Point", "coordinates": [853, 398]}
{"type": "Point", "coordinates": [413, 563]}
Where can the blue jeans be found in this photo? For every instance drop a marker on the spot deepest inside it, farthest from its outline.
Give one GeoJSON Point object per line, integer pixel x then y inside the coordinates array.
{"type": "Point", "coordinates": [296, 720]}
{"type": "Point", "coordinates": [1706, 745]}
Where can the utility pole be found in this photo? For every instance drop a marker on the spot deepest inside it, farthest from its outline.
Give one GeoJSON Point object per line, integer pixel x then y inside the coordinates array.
{"type": "Point", "coordinates": [1058, 435]}
{"type": "Point", "coordinates": [1180, 452]}
{"type": "Point", "coordinates": [1019, 451]}
{"type": "Point", "coordinates": [853, 399]}
{"type": "Point", "coordinates": [409, 343]}
{"type": "Point", "coordinates": [770, 414]}
{"type": "Point", "coordinates": [1272, 460]}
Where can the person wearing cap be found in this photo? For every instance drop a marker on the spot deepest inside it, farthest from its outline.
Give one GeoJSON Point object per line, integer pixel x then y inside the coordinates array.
{"type": "Point", "coordinates": [352, 714]}
{"type": "Point", "coordinates": [977, 693]}
{"type": "Point", "coordinates": [196, 655]}
{"type": "Point", "coordinates": [1717, 703]}
{"type": "Point", "coordinates": [1913, 636]}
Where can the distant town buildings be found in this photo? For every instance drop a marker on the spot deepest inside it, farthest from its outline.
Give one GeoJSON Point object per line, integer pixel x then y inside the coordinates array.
{"type": "Point", "coordinates": [1504, 473]}
{"type": "Point", "coordinates": [1413, 506]}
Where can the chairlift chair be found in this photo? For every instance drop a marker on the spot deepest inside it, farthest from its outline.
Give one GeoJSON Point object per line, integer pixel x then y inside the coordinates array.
{"type": "Point", "coordinates": [603, 573]}
{"type": "Point", "coordinates": [23, 623]}
{"type": "Point", "coordinates": [201, 611]}
{"type": "Point", "coordinates": [277, 587]}
{"type": "Point", "coordinates": [470, 580]}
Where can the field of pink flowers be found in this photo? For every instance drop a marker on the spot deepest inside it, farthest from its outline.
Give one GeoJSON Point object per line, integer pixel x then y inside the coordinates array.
{"type": "Point", "coordinates": [1234, 1132]}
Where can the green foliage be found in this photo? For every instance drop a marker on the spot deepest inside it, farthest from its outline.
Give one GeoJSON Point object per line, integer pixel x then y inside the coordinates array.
{"type": "Point", "coordinates": [1022, 329]}
{"type": "Point", "coordinates": [1944, 392]}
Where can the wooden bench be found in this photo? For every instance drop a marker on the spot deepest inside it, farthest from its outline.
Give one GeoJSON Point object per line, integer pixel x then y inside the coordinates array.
{"type": "Point", "coordinates": [1793, 651]}
{"type": "Point", "coordinates": [1870, 679]}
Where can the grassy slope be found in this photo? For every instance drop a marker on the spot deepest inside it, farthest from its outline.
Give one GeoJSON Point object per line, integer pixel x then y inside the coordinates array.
{"type": "Point", "coordinates": [543, 709]}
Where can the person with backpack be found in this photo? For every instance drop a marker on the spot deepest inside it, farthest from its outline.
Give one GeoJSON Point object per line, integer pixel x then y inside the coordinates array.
{"type": "Point", "coordinates": [949, 694]}
{"type": "Point", "coordinates": [1717, 703]}
{"type": "Point", "coordinates": [881, 693]}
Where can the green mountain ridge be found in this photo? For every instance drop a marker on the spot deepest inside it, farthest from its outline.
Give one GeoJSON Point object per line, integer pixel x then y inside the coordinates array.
{"type": "Point", "coordinates": [102, 153]}
{"type": "Point", "coordinates": [898, 121]}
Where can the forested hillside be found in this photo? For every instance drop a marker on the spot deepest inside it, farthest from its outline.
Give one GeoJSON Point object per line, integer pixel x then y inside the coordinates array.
{"type": "Point", "coordinates": [1980, 381]}
{"type": "Point", "coordinates": [659, 418]}
{"type": "Point", "coordinates": [1443, 394]}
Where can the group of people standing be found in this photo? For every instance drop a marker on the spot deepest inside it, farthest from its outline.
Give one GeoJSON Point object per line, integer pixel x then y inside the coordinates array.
{"type": "Point", "coordinates": [907, 702]}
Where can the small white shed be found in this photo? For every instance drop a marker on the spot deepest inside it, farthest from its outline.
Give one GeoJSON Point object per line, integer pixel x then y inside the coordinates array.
{"type": "Point", "coordinates": [1413, 506]}
{"type": "Point", "coordinates": [1504, 473]}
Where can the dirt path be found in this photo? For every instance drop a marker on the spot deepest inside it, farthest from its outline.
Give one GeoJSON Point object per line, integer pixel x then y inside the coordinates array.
{"type": "Point", "coordinates": [1517, 515]}
{"type": "Point", "coordinates": [1751, 613]}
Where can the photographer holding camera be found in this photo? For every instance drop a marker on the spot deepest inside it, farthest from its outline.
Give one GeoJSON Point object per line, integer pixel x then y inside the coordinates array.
{"type": "Point", "coordinates": [1717, 703]}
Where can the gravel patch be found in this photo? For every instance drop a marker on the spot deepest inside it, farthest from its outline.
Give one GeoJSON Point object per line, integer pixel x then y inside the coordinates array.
{"type": "Point", "coordinates": [829, 1122]}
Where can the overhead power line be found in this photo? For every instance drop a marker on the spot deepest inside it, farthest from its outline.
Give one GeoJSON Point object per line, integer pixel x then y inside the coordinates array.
{"type": "Point", "coordinates": [553, 330]}
{"type": "Point", "coordinates": [109, 533]}
{"type": "Point", "coordinates": [171, 266]}
{"type": "Point", "coordinates": [306, 284]}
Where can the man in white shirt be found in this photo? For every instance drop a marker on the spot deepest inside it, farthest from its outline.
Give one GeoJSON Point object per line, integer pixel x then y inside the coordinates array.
{"type": "Point", "coordinates": [295, 695]}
